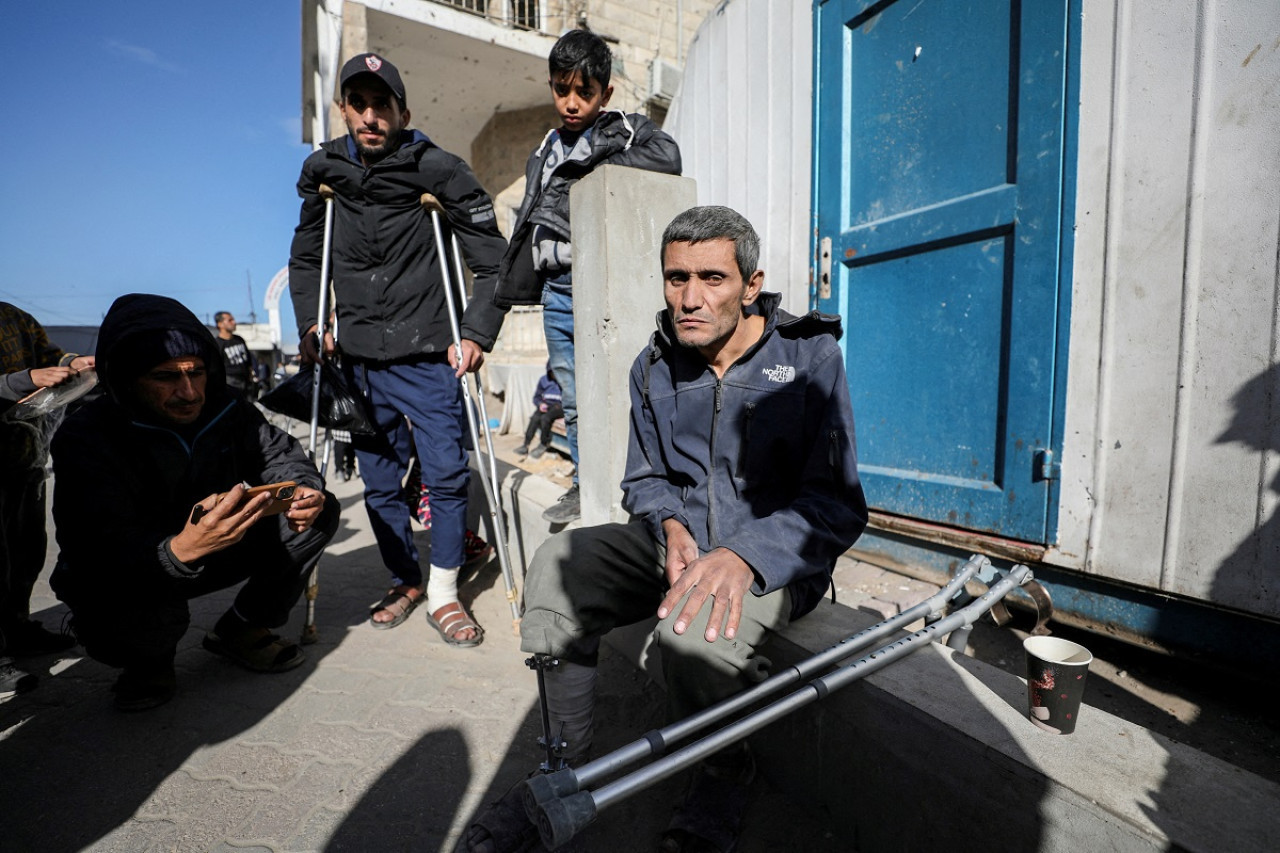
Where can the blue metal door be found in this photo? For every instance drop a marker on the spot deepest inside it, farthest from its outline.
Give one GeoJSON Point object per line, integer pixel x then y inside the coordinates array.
{"type": "Point", "coordinates": [939, 193]}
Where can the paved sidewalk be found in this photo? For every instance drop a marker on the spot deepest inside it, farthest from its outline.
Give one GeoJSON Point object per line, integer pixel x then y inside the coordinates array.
{"type": "Point", "coordinates": [382, 740]}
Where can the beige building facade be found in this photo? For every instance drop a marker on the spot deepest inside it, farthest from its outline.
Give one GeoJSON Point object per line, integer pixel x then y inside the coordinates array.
{"type": "Point", "coordinates": [475, 71]}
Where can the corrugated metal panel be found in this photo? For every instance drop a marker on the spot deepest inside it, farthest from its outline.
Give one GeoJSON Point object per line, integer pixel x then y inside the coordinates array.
{"type": "Point", "coordinates": [1170, 469]}
{"type": "Point", "coordinates": [743, 118]}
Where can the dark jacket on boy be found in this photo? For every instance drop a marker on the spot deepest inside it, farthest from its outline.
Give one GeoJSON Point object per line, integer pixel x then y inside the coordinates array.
{"type": "Point", "coordinates": [617, 139]}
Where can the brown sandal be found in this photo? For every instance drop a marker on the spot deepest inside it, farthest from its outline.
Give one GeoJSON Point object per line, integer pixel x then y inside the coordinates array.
{"type": "Point", "coordinates": [452, 618]}
{"type": "Point", "coordinates": [398, 603]}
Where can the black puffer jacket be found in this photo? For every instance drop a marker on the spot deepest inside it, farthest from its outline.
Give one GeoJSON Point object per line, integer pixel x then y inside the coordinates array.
{"type": "Point", "coordinates": [390, 300]}
{"type": "Point", "coordinates": [617, 139]}
{"type": "Point", "coordinates": [125, 484]}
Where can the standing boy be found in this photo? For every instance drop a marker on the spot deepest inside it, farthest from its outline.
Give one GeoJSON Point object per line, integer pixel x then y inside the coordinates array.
{"type": "Point", "coordinates": [538, 265]}
{"type": "Point", "coordinates": [395, 332]}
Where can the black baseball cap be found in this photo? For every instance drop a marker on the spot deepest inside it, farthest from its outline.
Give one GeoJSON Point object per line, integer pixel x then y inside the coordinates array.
{"type": "Point", "coordinates": [371, 63]}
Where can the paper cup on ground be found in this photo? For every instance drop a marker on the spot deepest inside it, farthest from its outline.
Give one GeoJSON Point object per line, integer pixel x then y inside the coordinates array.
{"type": "Point", "coordinates": [1056, 671]}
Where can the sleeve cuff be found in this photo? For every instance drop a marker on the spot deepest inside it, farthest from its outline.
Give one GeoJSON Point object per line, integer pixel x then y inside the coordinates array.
{"type": "Point", "coordinates": [173, 566]}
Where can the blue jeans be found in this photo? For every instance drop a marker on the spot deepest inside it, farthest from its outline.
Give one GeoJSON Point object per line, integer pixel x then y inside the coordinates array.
{"type": "Point", "coordinates": [427, 396]}
{"type": "Point", "coordinates": [557, 322]}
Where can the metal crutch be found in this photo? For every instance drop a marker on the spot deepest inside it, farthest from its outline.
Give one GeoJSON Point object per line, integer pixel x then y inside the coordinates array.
{"type": "Point", "coordinates": [309, 634]}
{"type": "Point", "coordinates": [485, 428]}
{"type": "Point", "coordinates": [489, 477]}
{"type": "Point", "coordinates": [559, 818]}
{"type": "Point", "coordinates": [567, 781]}
{"type": "Point", "coordinates": [322, 315]}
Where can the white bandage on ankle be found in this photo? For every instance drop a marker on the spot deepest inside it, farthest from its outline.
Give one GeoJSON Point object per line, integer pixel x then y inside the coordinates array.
{"type": "Point", "coordinates": [442, 587]}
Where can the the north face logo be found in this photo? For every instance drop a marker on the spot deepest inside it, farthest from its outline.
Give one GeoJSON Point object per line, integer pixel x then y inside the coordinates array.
{"type": "Point", "coordinates": [781, 373]}
{"type": "Point", "coordinates": [373, 62]}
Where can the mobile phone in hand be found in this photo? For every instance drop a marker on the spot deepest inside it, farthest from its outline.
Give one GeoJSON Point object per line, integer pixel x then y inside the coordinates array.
{"type": "Point", "coordinates": [282, 495]}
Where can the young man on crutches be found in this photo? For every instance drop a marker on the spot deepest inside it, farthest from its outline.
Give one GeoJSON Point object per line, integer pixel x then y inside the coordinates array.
{"type": "Point", "coordinates": [395, 337]}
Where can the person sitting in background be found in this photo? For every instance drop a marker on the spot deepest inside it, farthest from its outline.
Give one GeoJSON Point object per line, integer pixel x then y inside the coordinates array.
{"type": "Point", "coordinates": [547, 410]}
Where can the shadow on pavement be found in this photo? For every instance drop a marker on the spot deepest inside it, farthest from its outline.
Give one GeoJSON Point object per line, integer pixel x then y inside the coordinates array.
{"type": "Point", "coordinates": [75, 773]}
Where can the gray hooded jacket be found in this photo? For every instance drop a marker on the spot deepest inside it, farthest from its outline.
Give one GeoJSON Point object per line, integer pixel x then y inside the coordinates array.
{"type": "Point", "coordinates": [762, 461]}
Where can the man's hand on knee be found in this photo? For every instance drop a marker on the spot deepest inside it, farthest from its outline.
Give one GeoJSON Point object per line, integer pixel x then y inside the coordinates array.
{"type": "Point", "coordinates": [721, 576]}
{"type": "Point", "coordinates": [681, 549]}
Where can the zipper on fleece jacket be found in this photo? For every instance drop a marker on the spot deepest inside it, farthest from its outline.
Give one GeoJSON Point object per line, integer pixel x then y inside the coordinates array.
{"type": "Point", "coordinates": [711, 480]}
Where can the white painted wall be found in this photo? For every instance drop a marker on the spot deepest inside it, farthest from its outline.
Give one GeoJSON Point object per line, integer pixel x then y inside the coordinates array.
{"type": "Point", "coordinates": [743, 118]}
{"type": "Point", "coordinates": [1170, 461]}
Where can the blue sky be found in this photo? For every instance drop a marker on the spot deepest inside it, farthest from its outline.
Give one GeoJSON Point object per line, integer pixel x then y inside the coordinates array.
{"type": "Point", "coordinates": [153, 147]}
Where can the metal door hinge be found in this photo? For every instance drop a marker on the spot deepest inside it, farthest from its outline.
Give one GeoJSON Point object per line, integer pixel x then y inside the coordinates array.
{"type": "Point", "coordinates": [1043, 467]}
{"type": "Point", "coordinates": [824, 268]}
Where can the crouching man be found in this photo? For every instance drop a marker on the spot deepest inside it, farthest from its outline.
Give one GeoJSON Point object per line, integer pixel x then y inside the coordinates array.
{"type": "Point", "coordinates": [743, 486]}
{"type": "Point", "coordinates": [130, 470]}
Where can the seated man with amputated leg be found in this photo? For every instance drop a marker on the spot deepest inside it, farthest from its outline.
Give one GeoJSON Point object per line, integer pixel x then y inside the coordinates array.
{"type": "Point", "coordinates": [743, 486]}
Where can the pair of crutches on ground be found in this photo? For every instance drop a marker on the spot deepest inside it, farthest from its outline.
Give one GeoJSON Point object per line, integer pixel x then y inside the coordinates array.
{"type": "Point", "coordinates": [564, 802]}
{"type": "Point", "coordinates": [488, 470]}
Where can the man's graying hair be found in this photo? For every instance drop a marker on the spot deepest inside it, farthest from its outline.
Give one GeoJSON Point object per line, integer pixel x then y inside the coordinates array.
{"type": "Point", "coordinates": [699, 224]}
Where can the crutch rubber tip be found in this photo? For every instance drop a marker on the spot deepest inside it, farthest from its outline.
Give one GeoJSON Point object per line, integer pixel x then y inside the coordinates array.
{"type": "Point", "coordinates": [561, 820]}
{"type": "Point", "coordinates": [547, 787]}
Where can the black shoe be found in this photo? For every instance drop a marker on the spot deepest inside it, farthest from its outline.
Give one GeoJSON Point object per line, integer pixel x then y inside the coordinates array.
{"type": "Point", "coordinates": [14, 680]}
{"type": "Point", "coordinates": [566, 509]}
{"type": "Point", "coordinates": [141, 687]}
{"type": "Point", "coordinates": [539, 450]}
{"type": "Point", "coordinates": [31, 638]}
{"type": "Point", "coordinates": [522, 450]}
{"type": "Point", "coordinates": [711, 816]}
{"type": "Point", "coordinates": [504, 827]}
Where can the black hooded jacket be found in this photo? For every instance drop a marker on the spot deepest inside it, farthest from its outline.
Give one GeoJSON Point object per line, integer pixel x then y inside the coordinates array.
{"type": "Point", "coordinates": [125, 483]}
{"type": "Point", "coordinates": [390, 299]}
{"type": "Point", "coordinates": [617, 139]}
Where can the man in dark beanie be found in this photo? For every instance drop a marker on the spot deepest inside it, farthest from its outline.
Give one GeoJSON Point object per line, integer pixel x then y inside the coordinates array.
{"type": "Point", "coordinates": [151, 509]}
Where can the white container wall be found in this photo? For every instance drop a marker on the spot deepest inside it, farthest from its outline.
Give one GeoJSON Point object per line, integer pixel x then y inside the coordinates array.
{"type": "Point", "coordinates": [1170, 462]}
{"type": "Point", "coordinates": [743, 118]}
{"type": "Point", "coordinates": [1170, 465]}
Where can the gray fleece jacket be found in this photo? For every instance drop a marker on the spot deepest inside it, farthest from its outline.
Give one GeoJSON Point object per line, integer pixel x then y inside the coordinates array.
{"type": "Point", "coordinates": [762, 461]}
